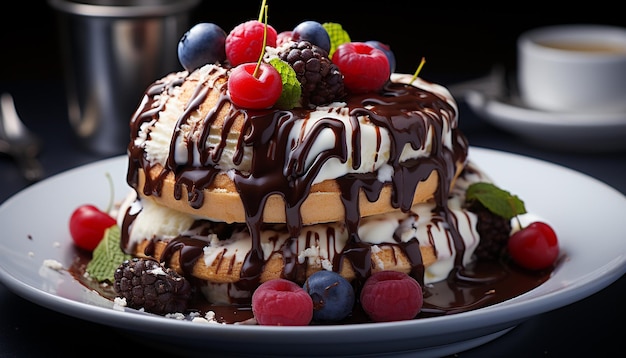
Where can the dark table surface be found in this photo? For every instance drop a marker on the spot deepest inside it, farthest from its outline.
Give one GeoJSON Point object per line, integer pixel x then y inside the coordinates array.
{"type": "Point", "coordinates": [582, 328]}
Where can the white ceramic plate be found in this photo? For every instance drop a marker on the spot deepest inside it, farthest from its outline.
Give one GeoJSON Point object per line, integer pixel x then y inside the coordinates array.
{"type": "Point", "coordinates": [567, 131]}
{"type": "Point", "coordinates": [34, 224]}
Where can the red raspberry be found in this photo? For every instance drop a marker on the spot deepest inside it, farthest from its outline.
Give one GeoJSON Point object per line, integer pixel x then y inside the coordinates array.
{"type": "Point", "coordinates": [245, 42]}
{"type": "Point", "coordinates": [281, 302]}
{"type": "Point", "coordinates": [284, 37]}
{"type": "Point", "coordinates": [364, 68]}
{"type": "Point", "coordinates": [391, 296]}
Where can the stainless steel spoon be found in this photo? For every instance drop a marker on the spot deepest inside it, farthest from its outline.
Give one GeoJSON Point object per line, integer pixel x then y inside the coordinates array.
{"type": "Point", "coordinates": [17, 141]}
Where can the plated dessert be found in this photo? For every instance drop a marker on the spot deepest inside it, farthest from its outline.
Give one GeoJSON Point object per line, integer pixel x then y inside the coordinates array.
{"type": "Point", "coordinates": [293, 178]}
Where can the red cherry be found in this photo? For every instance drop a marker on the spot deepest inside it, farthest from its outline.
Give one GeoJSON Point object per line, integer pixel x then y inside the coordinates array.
{"type": "Point", "coordinates": [534, 247]}
{"type": "Point", "coordinates": [255, 92]}
{"type": "Point", "coordinates": [364, 68]}
{"type": "Point", "coordinates": [281, 302]}
{"type": "Point", "coordinates": [87, 226]}
{"type": "Point", "coordinates": [391, 296]}
{"type": "Point", "coordinates": [245, 42]}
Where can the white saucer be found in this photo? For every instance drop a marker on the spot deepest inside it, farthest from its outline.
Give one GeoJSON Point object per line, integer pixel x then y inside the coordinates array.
{"type": "Point", "coordinates": [597, 132]}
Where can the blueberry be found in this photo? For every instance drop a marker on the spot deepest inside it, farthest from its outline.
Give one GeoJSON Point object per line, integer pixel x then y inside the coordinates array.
{"type": "Point", "coordinates": [387, 50]}
{"type": "Point", "coordinates": [333, 296]}
{"type": "Point", "coordinates": [202, 44]}
{"type": "Point", "coordinates": [313, 32]}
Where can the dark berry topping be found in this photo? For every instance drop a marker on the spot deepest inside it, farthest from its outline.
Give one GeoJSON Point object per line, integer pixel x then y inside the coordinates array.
{"type": "Point", "coordinates": [147, 284]}
{"type": "Point", "coordinates": [494, 232]}
{"type": "Point", "coordinates": [321, 80]}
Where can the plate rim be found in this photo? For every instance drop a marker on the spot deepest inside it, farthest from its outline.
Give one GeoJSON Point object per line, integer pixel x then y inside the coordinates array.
{"type": "Point", "coordinates": [504, 314]}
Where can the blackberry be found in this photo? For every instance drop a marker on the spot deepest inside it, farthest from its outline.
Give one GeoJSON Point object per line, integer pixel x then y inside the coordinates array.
{"type": "Point", "coordinates": [147, 284]}
{"type": "Point", "coordinates": [494, 232]}
{"type": "Point", "coordinates": [321, 80]}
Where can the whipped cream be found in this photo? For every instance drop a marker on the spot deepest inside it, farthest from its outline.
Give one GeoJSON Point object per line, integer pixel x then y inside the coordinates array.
{"type": "Point", "coordinates": [156, 136]}
{"type": "Point", "coordinates": [421, 223]}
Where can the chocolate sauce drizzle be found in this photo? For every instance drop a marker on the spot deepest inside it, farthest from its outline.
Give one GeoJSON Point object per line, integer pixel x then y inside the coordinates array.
{"type": "Point", "coordinates": [409, 114]}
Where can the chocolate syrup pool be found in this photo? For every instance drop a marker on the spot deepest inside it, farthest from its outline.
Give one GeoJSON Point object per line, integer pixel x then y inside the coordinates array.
{"type": "Point", "coordinates": [478, 285]}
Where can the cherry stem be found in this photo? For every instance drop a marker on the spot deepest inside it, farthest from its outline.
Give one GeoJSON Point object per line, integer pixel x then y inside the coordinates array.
{"type": "Point", "coordinates": [111, 193]}
{"type": "Point", "coordinates": [258, 64]}
{"type": "Point", "coordinates": [263, 9]}
{"type": "Point", "coordinates": [419, 68]}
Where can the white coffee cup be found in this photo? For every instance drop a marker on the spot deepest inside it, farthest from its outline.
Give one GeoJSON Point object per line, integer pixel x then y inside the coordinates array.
{"type": "Point", "coordinates": [573, 68]}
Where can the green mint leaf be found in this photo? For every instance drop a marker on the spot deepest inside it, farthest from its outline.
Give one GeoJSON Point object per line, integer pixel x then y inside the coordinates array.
{"type": "Point", "coordinates": [107, 256]}
{"type": "Point", "coordinates": [337, 36]}
{"type": "Point", "coordinates": [292, 90]}
{"type": "Point", "coordinates": [496, 200]}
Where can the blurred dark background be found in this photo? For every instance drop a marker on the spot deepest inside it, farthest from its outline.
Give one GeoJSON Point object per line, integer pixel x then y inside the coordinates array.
{"type": "Point", "coordinates": [454, 41]}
